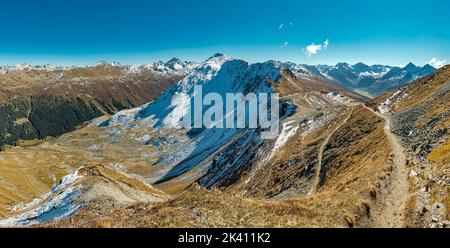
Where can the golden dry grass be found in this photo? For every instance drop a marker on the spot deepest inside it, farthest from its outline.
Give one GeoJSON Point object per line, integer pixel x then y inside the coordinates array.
{"type": "Point", "coordinates": [411, 210]}
{"type": "Point", "coordinates": [441, 155]}
{"type": "Point", "coordinates": [198, 207]}
{"type": "Point", "coordinates": [126, 179]}
{"type": "Point", "coordinates": [25, 175]}
{"type": "Point", "coordinates": [447, 206]}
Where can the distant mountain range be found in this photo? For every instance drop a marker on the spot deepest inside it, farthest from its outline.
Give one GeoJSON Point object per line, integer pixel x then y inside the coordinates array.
{"type": "Point", "coordinates": [173, 66]}
{"type": "Point", "coordinates": [366, 80]}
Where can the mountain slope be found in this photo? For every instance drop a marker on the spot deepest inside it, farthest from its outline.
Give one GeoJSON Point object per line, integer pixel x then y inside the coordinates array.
{"type": "Point", "coordinates": [36, 102]}
{"type": "Point", "coordinates": [420, 117]}
{"type": "Point", "coordinates": [186, 149]}
{"type": "Point", "coordinates": [85, 187]}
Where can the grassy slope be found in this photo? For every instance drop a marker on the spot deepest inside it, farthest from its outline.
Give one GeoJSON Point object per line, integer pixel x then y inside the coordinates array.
{"type": "Point", "coordinates": [425, 111]}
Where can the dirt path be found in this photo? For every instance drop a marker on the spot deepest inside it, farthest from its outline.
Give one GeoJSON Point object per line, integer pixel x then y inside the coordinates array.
{"type": "Point", "coordinates": [318, 168]}
{"type": "Point", "coordinates": [391, 213]}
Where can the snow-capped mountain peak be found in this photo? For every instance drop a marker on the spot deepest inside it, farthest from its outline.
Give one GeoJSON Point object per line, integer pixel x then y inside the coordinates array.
{"type": "Point", "coordinates": [106, 63]}
{"type": "Point", "coordinates": [173, 66]}
{"type": "Point", "coordinates": [370, 80]}
{"type": "Point", "coordinates": [217, 55]}
{"type": "Point", "coordinates": [180, 67]}
{"type": "Point", "coordinates": [220, 75]}
{"type": "Point", "coordinates": [27, 67]}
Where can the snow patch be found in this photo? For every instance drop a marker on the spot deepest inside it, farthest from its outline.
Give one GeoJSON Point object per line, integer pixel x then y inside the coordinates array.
{"type": "Point", "coordinates": [173, 66]}
{"type": "Point", "coordinates": [55, 205]}
{"type": "Point", "coordinates": [374, 74]}
{"type": "Point", "coordinates": [286, 133]}
{"type": "Point", "coordinates": [385, 107]}
{"type": "Point", "coordinates": [337, 97]}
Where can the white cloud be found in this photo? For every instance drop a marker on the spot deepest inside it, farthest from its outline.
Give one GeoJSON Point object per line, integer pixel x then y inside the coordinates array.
{"type": "Point", "coordinates": [437, 63]}
{"type": "Point", "coordinates": [314, 49]}
{"type": "Point", "coordinates": [281, 26]}
{"type": "Point", "coordinates": [285, 44]}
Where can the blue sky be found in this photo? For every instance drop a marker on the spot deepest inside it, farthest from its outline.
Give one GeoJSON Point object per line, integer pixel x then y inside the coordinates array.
{"type": "Point", "coordinates": [86, 31]}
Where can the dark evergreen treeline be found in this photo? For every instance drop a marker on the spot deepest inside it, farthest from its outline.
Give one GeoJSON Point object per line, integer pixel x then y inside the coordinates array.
{"type": "Point", "coordinates": [39, 117]}
{"type": "Point", "coordinates": [53, 116]}
{"type": "Point", "coordinates": [11, 128]}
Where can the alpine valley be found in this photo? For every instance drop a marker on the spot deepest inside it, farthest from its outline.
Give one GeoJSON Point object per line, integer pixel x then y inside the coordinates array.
{"type": "Point", "coordinates": [96, 146]}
